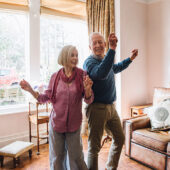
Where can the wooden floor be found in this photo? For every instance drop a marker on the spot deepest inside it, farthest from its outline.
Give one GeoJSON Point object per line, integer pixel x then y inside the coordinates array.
{"type": "Point", "coordinates": [41, 162]}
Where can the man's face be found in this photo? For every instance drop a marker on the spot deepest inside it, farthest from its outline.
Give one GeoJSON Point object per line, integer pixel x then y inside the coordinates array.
{"type": "Point", "coordinates": [97, 45]}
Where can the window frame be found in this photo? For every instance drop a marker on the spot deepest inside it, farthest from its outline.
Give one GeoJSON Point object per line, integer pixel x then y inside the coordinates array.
{"type": "Point", "coordinates": [32, 48]}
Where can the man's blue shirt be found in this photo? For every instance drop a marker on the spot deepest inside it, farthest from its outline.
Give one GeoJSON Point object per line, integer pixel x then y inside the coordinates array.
{"type": "Point", "coordinates": [102, 73]}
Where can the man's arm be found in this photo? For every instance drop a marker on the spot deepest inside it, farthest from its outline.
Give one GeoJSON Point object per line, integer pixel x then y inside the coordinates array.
{"type": "Point", "coordinates": [121, 65]}
{"type": "Point", "coordinates": [125, 63]}
{"type": "Point", "coordinates": [99, 71]}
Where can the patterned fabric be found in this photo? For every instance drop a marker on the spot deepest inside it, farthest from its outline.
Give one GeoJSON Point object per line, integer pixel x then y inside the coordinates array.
{"type": "Point", "coordinates": [160, 116]}
{"type": "Point", "coordinates": [100, 17]}
{"type": "Point", "coordinates": [77, 75]}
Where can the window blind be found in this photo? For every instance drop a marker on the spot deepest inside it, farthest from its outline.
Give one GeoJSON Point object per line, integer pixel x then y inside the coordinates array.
{"type": "Point", "coordinates": [68, 8]}
{"type": "Point", "coordinates": [14, 4]}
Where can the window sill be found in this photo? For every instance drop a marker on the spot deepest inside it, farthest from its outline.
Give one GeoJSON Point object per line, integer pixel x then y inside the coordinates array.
{"type": "Point", "coordinates": [22, 108]}
{"type": "Point", "coordinates": [14, 109]}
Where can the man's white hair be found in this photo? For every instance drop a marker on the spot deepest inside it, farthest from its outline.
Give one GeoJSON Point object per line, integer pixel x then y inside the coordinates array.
{"type": "Point", "coordinates": [94, 33]}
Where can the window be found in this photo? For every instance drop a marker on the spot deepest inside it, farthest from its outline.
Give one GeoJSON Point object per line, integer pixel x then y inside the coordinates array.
{"type": "Point", "coordinates": [12, 57]}
{"type": "Point", "coordinates": [55, 33]}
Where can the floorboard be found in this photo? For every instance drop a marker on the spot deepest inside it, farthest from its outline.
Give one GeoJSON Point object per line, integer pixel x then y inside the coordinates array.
{"type": "Point", "coordinates": [41, 162]}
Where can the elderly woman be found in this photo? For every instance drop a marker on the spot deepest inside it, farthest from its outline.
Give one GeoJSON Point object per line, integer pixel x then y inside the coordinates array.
{"type": "Point", "coordinates": [66, 89]}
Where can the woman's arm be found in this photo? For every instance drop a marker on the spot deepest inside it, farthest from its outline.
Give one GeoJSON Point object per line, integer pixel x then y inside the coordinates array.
{"type": "Point", "coordinates": [27, 87]}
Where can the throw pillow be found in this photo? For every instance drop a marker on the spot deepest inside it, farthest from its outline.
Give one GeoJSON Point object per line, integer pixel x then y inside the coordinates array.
{"type": "Point", "coordinates": [160, 116]}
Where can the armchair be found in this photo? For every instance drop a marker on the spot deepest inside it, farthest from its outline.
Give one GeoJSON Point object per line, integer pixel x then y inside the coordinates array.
{"type": "Point", "coordinates": [149, 148]}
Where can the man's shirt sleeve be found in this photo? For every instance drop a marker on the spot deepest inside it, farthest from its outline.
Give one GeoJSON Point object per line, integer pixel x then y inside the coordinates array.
{"type": "Point", "coordinates": [98, 71]}
{"type": "Point", "coordinates": [121, 65]}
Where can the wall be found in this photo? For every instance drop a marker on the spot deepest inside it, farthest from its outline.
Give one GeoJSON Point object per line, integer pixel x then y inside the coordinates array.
{"type": "Point", "coordinates": [158, 45]}
{"type": "Point", "coordinates": [133, 34]}
{"type": "Point", "coordinates": [13, 127]}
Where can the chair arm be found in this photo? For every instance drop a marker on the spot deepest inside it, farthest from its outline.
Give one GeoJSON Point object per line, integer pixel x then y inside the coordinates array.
{"type": "Point", "coordinates": [168, 148]}
{"type": "Point", "coordinates": [131, 125]}
{"type": "Point", "coordinates": [139, 122]}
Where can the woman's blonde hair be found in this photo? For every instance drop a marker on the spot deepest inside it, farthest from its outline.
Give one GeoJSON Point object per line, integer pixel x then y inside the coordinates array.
{"type": "Point", "coordinates": [65, 54]}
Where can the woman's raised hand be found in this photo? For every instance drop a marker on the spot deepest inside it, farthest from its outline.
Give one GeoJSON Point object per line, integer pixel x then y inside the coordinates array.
{"type": "Point", "coordinates": [87, 83]}
{"type": "Point", "coordinates": [25, 85]}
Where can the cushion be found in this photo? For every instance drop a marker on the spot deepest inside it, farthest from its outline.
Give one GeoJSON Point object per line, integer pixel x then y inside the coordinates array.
{"type": "Point", "coordinates": [154, 140]}
{"type": "Point", "coordinates": [160, 115]}
{"type": "Point", "coordinates": [16, 148]}
{"type": "Point", "coordinates": [160, 94]}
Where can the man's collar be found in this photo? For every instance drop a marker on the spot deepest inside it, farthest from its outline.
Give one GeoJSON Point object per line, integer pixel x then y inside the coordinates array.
{"type": "Point", "coordinates": [97, 57]}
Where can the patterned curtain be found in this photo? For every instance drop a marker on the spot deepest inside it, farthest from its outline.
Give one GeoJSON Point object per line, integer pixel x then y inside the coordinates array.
{"type": "Point", "coordinates": [100, 17]}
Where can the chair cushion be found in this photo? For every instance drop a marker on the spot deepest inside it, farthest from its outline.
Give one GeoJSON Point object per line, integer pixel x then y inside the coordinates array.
{"type": "Point", "coordinates": [44, 114]}
{"type": "Point", "coordinates": [160, 115]}
{"type": "Point", "coordinates": [153, 140]}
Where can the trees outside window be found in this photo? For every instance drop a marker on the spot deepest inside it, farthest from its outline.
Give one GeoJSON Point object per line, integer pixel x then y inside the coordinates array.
{"type": "Point", "coordinates": [12, 57]}
{"type": "Point", "coordinates": [55, 33]}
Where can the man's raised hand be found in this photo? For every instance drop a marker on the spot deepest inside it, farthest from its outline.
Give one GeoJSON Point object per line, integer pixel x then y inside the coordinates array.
{"type": "Point", "coordinates": [134, 54]}
{"type": "Point", "coordinates": [112, 41]}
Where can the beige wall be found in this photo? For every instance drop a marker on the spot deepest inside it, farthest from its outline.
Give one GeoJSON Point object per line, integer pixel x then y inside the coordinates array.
{"type": "Point", "coordinates": [133, 34]}
{"type": "Point", "coordinates": [144, 24]}
{"type": "Point", "coordinates": [158, 45]}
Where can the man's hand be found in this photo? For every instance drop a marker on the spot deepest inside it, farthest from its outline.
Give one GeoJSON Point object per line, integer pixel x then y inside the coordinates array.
{"type": "Point", "coordinates": [112, 41]}
{"type": "Point", "coordinates": [134, 54]}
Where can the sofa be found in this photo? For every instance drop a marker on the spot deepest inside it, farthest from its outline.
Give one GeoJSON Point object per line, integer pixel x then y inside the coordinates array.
{"type": "Point", "coordinates": [145, 146]}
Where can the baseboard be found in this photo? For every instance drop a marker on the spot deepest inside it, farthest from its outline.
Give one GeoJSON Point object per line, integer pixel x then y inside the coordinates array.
{"type": "Point", "coordinates": [24, 136]}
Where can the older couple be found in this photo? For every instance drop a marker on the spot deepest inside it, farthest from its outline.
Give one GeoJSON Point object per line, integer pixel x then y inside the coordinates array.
{"type": "Point", "coordinates": [66, 89]}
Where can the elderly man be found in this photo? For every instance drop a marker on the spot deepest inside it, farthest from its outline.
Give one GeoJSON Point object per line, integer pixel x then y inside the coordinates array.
{"type": "Point", "coordinates": [101, 113]}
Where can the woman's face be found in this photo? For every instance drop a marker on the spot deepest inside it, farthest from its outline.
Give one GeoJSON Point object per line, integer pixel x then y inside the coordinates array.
{"type": "Point", "coordinates": [73, 59]}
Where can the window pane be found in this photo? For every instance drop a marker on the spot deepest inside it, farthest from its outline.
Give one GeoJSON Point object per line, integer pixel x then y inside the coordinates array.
{"type": "Point", "coordinates": [12, 57]}
{"type": "Point", "coordinates": [55, 33]}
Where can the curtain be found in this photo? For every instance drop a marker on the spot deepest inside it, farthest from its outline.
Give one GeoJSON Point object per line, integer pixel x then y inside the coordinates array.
{"type": "Point", "coordinates": [100, 17]}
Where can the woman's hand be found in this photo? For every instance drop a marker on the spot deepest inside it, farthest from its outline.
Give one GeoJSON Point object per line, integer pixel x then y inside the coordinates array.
{"type": "Point", "coordinates": [25, 86]}
{"type": "Point", "coordinates": [87, 86]}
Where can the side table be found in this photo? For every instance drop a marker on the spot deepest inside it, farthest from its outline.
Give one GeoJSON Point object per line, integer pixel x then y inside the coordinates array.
{"type": "Point", "coordinates": [138, 110]}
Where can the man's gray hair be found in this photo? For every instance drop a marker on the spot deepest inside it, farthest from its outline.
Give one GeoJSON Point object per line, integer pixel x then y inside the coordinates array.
{"type": "Point", "coordinates": [65, 54]}
{"type": "Point", "coordinates": [94, 33]}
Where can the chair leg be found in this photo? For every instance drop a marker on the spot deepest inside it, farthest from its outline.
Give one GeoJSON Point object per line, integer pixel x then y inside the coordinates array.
{"type": "Point", "coordinates": [30, 153]}
{"type": "Point", "coordinates": [30, 130]}
{"type": "Point", "coordinates": [14, 162]}
{"type": "Point", "coordinates": [2, 160]}
{"type": "Point", "coordinates": [38, 142]}
{"type": "Point", "coordinates": [106, 139]}
{"type": "Point", "coordinates": [18, 160]}
{"type": "Point", "coordinates": [47, 132]}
